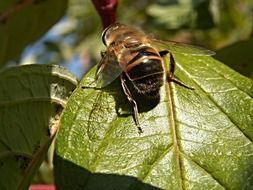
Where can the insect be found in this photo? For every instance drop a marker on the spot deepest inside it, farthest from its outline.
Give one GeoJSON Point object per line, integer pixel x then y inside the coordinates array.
{"type": "Point", "coordinates": [138, 58]}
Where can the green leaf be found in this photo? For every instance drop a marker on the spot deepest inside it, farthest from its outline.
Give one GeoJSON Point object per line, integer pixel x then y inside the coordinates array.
{"type": "Point", "coordinates": [23, 22]}
{"type": "Point", "coordinates": [238, 56]}
{"type": "Point", "coordinates": [31, 99]}
{"type": "Point", "coordinates": [193, 139]}
{"type": "Point", "coordinates": [186, 14]}
{"type": "Point", "coordinates": [183, 14]}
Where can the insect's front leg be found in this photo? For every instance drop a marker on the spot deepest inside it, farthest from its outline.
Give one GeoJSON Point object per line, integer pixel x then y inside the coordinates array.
{"type": "Point", "coordinates": [102, 54]}
{"type": "Point", "coordinates": [131, 100]}
{"type": "Point", "coordinates": [101, 65]}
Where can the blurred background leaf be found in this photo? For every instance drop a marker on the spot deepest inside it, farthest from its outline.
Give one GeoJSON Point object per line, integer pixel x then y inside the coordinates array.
{"type": "Point", "coordinates": [23, 22]}
{"type": "Point", "coordinates": [238, 56]}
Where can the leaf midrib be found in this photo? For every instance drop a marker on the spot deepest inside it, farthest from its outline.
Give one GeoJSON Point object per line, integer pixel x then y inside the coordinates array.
{"type": "Point", "coordinates": [172, 121]}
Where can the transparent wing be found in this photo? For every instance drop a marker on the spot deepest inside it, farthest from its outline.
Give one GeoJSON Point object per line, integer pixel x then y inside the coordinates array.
{"type": "Point", "coordinates": [181, 47]}
{"type": "Point", "coordinates": [108, 70]}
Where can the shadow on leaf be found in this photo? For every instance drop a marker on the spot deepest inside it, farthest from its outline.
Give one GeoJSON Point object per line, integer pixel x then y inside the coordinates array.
{"type": "Point", "coordinates": [123, 106]}
{"type": "Point", "coordinates": [68, 175]}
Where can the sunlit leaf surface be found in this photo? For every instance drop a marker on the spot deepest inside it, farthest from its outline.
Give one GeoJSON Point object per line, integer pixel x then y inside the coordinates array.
{"type": "Point", "coordinates": [193, 139]}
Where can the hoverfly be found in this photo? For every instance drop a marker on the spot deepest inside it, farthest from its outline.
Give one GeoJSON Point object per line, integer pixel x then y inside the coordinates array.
{"type": "Point", "coordinates": [138, 58]}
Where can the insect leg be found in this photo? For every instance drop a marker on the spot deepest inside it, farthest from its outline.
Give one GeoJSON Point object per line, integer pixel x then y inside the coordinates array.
{"type": "Point", "coordinates": [172, 66]}
{"type": "Point", "coordinates": [101, 65]}
{"type": "Point", "coordinates": [171, 77]}
{"type": "Point", "coordinates": [102, 53]}
{"type": "Point", "coordinates": [131, 100]}
{"type": "Point", "coordinates": [163, 53]}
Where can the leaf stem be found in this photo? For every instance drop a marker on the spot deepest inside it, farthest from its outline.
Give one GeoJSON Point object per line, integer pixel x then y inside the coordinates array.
{"type": "Point", "coordinates": [106, 10]}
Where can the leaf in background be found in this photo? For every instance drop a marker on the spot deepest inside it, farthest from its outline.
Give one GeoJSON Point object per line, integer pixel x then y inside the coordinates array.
{"type": "Point", "coordinates": [204, 18]}
{"type": "Point", "coordinates": [233, 20]}
{"type": "Point", "coordinates": [31, 99]}
{"type": "Point", "coordinates": [182, 14]}
{"type": "Point", "coordinates": [23, 22]}
{"type": "Point", "coordinates": [193, 139]}
{"type": "Point", "coordinates": [239, 56]}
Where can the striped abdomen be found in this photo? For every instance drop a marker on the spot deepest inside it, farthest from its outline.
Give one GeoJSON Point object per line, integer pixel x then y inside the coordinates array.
{"type": "Point", "coordinates": [146, 70]}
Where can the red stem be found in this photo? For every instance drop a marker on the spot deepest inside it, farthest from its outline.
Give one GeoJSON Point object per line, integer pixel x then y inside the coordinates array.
{"type": "Point", "coordinates": [106, 10]}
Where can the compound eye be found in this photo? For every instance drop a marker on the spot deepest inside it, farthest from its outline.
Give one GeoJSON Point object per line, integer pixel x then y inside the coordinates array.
{"type": "Point", "coordinates": [107, 33]}
{"type": "Point", "coordinates": [104, 35]}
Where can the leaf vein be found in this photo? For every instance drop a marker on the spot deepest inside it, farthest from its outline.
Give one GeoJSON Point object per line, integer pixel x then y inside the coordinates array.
{"type": "Point", "coordinates": [217, 105]}
{"type": "Point", "coordinates": [206, 170]}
